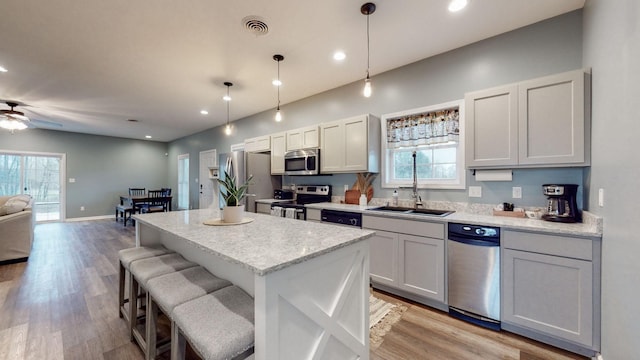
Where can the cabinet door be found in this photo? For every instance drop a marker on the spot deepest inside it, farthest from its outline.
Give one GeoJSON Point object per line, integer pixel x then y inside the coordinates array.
{"type": "Point", "coordinates": [258, 144]}
{"type": "Point", "coordinates": [383, 258]}
{"type": "Point", "coordinates": [314, 215]}
{"type": "Point", "coordinates": [355, 144]}
{"type": "Point", "coordinates": [422, 266]}
{"type": "Point", "coordinates": [552, 120]}
{"type": "Point", "coordinates": [491, 119]}
{"type": "Point", "coordinates": [262, 208]}
{"type": "Point", "coordinates": [332, 150]}
{"type": "Point", "coordinates": [278, 148]}
{"type": "Point", "coordinates": [303, 138]}
{"type": "Point", "coordinates": [550, 294]}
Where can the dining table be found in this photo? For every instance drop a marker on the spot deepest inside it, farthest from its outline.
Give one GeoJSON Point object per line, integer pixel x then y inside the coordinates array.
{"type": "Point", "coordinates": [138, 200]}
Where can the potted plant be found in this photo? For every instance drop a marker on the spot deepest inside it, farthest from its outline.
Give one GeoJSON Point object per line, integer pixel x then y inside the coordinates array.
{"type": "Point", "coordinates": [233, 194]}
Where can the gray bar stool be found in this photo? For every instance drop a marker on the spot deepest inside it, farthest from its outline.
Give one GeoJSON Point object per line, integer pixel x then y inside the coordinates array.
{"type": "Point", "coordinates": [143, 271]}
{"type": "Point", "coordinates": [171, 290]}
{"type": "Point", "coordinates": [219, 325]}
{"type": "Point", "coordinates": [126, 257]}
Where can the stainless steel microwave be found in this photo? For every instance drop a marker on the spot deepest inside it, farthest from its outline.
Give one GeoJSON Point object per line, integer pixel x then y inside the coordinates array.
{"type": "Point", "coordinates": [302, 162]}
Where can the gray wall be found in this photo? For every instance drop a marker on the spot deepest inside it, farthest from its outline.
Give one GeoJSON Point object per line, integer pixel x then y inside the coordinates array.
{"type": "Point", "coordinates": [103, 166]}
{"type": "Point", "coordinates": [548, 47]}
{"type": "Point", "coordinates": [612, 48]}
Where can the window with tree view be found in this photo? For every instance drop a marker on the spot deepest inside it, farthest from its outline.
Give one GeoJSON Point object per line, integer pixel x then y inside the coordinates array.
{"type": "Point", "coordinates": [434, 133]}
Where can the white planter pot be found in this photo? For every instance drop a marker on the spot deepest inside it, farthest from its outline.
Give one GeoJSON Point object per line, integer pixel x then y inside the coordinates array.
{"type": "Point", "coordinates": [232, 214]}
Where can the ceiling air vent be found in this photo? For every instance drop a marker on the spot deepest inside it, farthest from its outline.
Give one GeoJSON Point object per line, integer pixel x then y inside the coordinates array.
{"type": "Point", "coordinates": [255, 25]}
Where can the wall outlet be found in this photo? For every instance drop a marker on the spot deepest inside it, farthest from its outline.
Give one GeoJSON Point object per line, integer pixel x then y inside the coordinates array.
{"type": "Point", "coordinates": [81, 208]}
{"type": "Point", "coordinates": [475, 191]}
{"type": "Point", "coordinates": [346, 187]}
{"type": "Point", "coordinates": [516, 192]}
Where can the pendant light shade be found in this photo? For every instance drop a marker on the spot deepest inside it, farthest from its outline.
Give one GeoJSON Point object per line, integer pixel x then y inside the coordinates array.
{"type": "Point", "coordinates": [278, 83]}
{"type": "Point", "coordinates": [227, 98]}
{"type": "Point", "coordinates": [367, 9]}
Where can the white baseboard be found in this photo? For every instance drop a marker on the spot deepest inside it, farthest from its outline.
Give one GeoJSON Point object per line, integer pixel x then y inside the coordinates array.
{"type": "Point", "coordinates": [89, 218]}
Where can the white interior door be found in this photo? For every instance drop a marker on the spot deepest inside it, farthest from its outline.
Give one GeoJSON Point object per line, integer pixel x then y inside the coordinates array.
{"type": "Point", "coordinates": [183, 182]}
{"type": "Point", "coordinates": [208, 195]}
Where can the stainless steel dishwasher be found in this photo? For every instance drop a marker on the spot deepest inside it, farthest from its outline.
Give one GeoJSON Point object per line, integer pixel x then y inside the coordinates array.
{"type": "Point", "coordinates": [473, 264]}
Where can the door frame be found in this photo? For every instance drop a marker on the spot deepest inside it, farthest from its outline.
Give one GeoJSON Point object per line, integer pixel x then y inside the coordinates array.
{"type": "Point", "coordinates": [63, 176]}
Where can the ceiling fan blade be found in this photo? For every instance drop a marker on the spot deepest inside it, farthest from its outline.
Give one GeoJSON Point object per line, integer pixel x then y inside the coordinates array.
{"type": "Point", "coordinates": [45, 123]}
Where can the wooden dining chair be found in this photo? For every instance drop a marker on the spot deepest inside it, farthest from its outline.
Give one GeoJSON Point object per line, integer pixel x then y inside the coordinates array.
{"type": "Point", "coordinates": [137, 191]}
{"type": "Point", "coordinates": [157, 202]}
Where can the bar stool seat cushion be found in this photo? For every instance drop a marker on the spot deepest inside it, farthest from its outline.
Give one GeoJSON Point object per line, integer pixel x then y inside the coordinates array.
{"type": "Point", "coordinates": [219, 325]}
{"type": "Point", "coordinates": [146, 269]}
{"type": "Point", "coordinates": [173, 289]}
{"type": "Point", "coordinates": [127, 256]}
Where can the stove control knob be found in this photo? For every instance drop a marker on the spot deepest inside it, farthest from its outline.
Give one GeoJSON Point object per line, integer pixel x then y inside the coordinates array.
{"type": "Point", "coordinates": [353, 222]}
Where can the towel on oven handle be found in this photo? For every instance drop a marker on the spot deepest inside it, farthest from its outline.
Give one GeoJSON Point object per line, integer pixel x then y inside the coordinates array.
{"type": "Point", "coordinates": [276, 211]}
{"type": "Point", "coordinates": [290, 213]}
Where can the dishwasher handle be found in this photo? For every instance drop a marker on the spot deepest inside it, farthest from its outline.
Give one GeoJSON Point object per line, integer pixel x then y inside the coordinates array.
{"type": "Point", "coordinates": [475, 241]}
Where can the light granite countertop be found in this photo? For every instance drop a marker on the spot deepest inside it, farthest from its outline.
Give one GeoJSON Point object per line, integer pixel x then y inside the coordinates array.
{"type": "Point", "coordinates": [264, 245]}
{"type": "Point", "coordinates": [590, 227]}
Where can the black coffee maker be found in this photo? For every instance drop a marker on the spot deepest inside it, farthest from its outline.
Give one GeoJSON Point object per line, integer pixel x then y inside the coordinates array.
{"type": "Point", "coordinates": [562, 205]}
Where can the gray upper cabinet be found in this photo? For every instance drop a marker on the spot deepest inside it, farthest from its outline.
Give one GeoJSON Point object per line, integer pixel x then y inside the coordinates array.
{"type": "Point", "coordinates": [543, 122]}
{"type": "Point", "coordinates": [492, 127]}
{"type": "Point", "coordinates": [350, 145]}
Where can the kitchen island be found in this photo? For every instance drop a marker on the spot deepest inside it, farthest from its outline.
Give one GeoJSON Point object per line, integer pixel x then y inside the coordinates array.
{"type": "Point", "coordinates": [310, 281]}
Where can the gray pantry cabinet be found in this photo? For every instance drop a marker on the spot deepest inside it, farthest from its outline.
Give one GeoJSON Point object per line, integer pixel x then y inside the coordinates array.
{"type": "Point", "coordinates": [551, 289]}
{"type": "Point", "coordinates": [544, 122]}
{"type": "Point", "coordinates": [408, 258]}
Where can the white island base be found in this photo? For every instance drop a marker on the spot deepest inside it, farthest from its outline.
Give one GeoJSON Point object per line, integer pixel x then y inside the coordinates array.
{"type": "Point", "coordinates": [312, 306]}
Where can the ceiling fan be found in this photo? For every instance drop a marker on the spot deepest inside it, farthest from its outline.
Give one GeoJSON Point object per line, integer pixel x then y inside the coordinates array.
{"type": "Point", "coordinates": [13, 120]}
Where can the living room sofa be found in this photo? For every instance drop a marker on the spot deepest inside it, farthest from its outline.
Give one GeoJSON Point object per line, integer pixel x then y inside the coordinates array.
{"type": "Point", "coordinates": [17, 221]}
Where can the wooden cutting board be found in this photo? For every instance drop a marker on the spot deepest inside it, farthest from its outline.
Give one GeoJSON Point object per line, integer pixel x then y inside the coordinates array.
{"type": "Point", "coordinates": [352, 197]}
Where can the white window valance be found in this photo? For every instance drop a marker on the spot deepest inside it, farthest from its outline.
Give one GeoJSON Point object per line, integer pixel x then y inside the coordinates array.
{"type": "Point", "coordinates": [426, 128]}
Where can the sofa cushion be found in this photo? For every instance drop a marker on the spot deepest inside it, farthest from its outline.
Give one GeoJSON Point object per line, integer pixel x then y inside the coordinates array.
{"type": "Point", "coordinates": [15, 204]}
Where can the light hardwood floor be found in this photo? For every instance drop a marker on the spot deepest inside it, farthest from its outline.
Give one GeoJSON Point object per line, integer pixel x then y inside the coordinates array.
{"type": "Point", "coordinates": [62, 304]}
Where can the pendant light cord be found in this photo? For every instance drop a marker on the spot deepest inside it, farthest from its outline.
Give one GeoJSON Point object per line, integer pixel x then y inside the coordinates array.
{"type": "Point", "coordinates": [279, 82]}
{"type": "Point", "coordinates": [367, 46]}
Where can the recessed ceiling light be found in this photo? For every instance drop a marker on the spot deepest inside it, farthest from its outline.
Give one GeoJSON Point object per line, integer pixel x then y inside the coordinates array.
{"type": "Point", "coordinates": [148, 136]}
{"type": "Point", "coordinates": [3, 69]}
{"type": "Point", "coordinates": [457, 5]}
{"type": "Point", "coordinates": [339, 55]}
{"type": "Point", "coordinates": [226, 98]}
{"type": "Point", "coordinates": [204, 112]}
{"type": "Point", "coordinates": [276, 82]}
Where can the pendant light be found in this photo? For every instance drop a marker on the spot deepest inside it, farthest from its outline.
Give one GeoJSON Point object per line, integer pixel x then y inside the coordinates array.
{"type": "Point", "coordinates": [277, 83]}
{"type": "Point", "coordinates": [367, 9]}
{"type": "Point", "coordinates": [227, 98]}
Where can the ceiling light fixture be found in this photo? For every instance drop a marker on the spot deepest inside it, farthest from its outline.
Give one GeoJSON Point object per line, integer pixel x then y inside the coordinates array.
{"type": "Point", "coordinates": [204, 112]}
{"type": "Point", "coordinates": [457, 5]}
{"type": "Point", "coordinates": [13, 120]}
{"type": "Point", "coordinates": [367, 9]}
{"type": "Point", "coordinates": [339, 55]}
{"type": "Point", "coordinates": [2, 69]}
{"type": "Point", "coordinates": [278, 83]}
{"type": "Point", "coordinates": [227, 98]}
{"type": "Point", "coordinates": [148, 137]}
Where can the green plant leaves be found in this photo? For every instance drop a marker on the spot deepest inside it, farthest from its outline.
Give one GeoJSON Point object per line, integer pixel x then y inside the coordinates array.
{"type": "Point", "coordinates": [230, 191]}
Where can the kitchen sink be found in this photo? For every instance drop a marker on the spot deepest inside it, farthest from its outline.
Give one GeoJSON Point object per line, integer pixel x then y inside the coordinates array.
{"type": "Point", "coordinates": [413, 211]}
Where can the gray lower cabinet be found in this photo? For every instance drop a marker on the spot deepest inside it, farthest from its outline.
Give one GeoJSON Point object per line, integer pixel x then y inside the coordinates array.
{"type": "Point", "coordinates": [314, 215]}
{"type": "Point", "coordinates": [262, 208]}
{"type": "Point", "coordinates": [550, 287]}
{"type": "Point", "coordinates": [408, 256]}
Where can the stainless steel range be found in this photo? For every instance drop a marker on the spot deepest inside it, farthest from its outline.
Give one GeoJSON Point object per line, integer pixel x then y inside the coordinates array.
{"type": "Point", "coordinates": [305, 194]}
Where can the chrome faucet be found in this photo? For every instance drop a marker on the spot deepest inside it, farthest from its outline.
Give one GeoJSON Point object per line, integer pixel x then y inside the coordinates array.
{"type": "Point", "coordinates": [415, 196]}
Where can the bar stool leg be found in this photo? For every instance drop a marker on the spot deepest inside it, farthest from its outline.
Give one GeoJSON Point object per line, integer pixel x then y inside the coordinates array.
{"type": "Point", "coordinates": [133, 305]}
{"type": "Point", "coordinates": [121, 286]}
{"type": "Point", "coordinates": [151, 331]}
{"type": "Point", "coordinates": [178, 343]}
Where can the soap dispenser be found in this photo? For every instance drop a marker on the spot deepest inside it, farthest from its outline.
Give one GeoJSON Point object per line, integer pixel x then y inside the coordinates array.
{"type": "Point", "coordinates": [363, 200]}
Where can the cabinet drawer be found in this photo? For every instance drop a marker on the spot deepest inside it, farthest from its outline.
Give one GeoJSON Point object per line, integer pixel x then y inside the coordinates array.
{"type": "Point", "coordinates": [571, 247]}
{"type": "Point", "coordinates": [418, 228]}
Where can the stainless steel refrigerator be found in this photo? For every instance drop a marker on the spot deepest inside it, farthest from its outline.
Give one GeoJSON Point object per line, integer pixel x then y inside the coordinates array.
{"type": "Point", "coordinates": [242, 165]}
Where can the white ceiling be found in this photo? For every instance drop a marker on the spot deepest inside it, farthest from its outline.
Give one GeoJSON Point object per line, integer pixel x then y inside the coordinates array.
{"type": "Point", "coordinates": [90, 65]}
